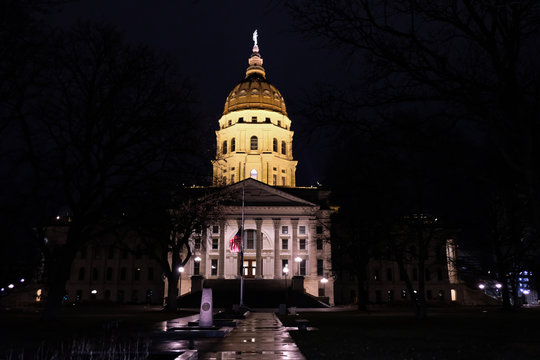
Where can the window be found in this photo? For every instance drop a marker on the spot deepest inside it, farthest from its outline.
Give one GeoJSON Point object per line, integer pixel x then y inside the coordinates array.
{"type": "Point", "coordinates": [376, 275]}
{"type": "Point", "coordinates": [283, 180]}
{"type": "Point", "coordinates": [253, 174]}
{"type": "Point", "coordinates": [303, 267]}
{"type": "Point", "coordinates": [107, 294]}
{"type": "Point", "coordinates": [215, 229]}
{"type": "Point", "coordinates": [319, 229]}
{"type": "Point", "coordinates": [123, 274]}
{"type": "Point", "coordinates": [137, 273]}
{"type": "Point", "coordinates": [274, 179]}
{"type": "Point", "coordinates": [230, 122]}
{"type": "Point", "coordinates": [267, 120]}
{"type": "Point", "coordinates": [439, 274]}
{"type": "Point", "coordinates": [254, 143]}
{"type": "Point", "coordinates": [95, 274]}
{"type": "Point", "coordinates": [284, 229]}
{"type": "Point", "coordinates": [82, 274]}
{"type": "Point", "coordinates": [274, 145]}
{"type": "Point", "coordinates": [111, 253]}
{"type": "Point", "coordinates": [232, 178]}
{"type": "Point", "coordinates": [283, 148]}
{"type": "Point", "coordinates": [253, 119]}
{"type": "Point", "coordinates": [250, 239]}
{"type": "Point", "coordinates": [213, 267]}
{"type": "Point", "coordinates": [240, 119]}
{"type": "Point", "coordinates": [197, 243]}
{"type": "Point", "coordinates": [378, 296]}
{"type": "Point", "coordinates": [215, 244]}
{"type": "Point", "coordinates": [320, 268]}
{"type": "Point", "coordinates": [196, 268]}
{"type": "Point", "coordinates": [390, 295]}
{"type": "Point", "coordinates": [319, 244]}
{"type": "Point", "coordinates": [108, 275]}
{"type": "Point", "coordinates": [120, 296]}
{"type": "Point", "coordinates": [233, 145]}
{"type": "Point", "coordinates": [134, 296]}
{"type": "Point", "coordinates": [441, 295]}
{"type": "Point", "coordinates": [78, 297]}
{"type": "Point", "coordinates": [150, 274]}
{"type": "Point", "coordinates": [279, 123]}
{"type": "Point", "coordinates": [389, 274]}
{"type": "Point", "coordinates": [403, 294]}
{"type": "Point", "coordinates": [302, 230]}
{"type": "Point", "coordinates": [284, 264]}
{"type": "Point", "coordinates": [302, 244]}
{"type": "Point", "coordinates": [284, 244]}
{"type": "Point", "coordinates": [225, 147]}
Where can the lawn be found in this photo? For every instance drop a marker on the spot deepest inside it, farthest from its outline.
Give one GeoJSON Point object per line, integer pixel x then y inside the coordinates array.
{"type": "Point", "coordinates": [456, 333]}
{"type": "Point", "coordinates": [25, 329]}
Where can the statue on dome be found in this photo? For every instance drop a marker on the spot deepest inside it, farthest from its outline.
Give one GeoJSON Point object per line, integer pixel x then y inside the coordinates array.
{"type": "Point", "coordinates": [255, 35]}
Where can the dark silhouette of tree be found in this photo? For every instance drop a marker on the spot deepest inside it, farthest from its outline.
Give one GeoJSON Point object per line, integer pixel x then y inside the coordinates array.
{"type": "Point", "coordinates": [165, 230]}
{"type": "Point", "coordinates": [111, 120]}
{"type": "Point", "coordinates": [472, 61]}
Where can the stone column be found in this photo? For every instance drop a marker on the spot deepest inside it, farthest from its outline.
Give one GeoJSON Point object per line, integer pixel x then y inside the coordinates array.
{"type": "Point", "coordinates": [221, 261]}
{"type": "Point", "coordinates": [294, 246]}
{"type": "Point", "coordinates": [258, 249]}
{"type": "Point", "coordinates": [204, 252]}
{"type": "Point", "coordinates": [277, 251]}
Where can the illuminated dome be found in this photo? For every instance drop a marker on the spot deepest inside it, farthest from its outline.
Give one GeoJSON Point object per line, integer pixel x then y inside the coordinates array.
{"type": "Point", "coordinates": [255, 92]}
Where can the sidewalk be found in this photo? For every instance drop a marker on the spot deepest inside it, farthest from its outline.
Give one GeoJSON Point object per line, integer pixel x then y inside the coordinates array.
{"type": "Point", "coordinates": [260, 336]}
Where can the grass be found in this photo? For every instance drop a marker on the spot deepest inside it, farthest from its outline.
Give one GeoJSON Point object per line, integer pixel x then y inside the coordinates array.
{"type": "Point", "coordinates": [447, 334]}
{"type": "Point", "coordinates": [76, 325]}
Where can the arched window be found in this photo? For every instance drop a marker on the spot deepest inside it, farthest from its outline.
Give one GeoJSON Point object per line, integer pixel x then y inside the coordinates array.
{"type": "Point", "coordinates": [225, 147]}
{"type": "Point", "coordinates": [253, 174]}
{"type": "Point", "coordinates": [233, 145]}
{"type": "Point", "coordinates": [254, 143]}
{"type": "Point", "coordinates": [251, 238]}
{"type": "Point", "coordinates": [275, 145]}
{"type": "Point", "coordinates": [283, 148]}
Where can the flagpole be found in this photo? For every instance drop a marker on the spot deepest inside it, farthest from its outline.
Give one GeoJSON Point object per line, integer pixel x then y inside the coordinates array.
{"type": "Point", "coordinates": [242, 251]}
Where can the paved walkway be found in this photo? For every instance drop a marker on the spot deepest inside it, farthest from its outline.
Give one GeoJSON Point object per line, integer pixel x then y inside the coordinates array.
{"type": "Point", "coordinates": [260, 336]}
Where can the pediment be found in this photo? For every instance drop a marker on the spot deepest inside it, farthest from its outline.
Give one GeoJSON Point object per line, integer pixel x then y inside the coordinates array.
{"type": "Point", "coordinates": [257, 193]}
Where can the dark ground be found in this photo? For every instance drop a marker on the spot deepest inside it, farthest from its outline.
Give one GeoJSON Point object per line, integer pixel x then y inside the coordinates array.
{"type": "Point", "coordinates": [386, 333]}
{"type": "Point", "coordinates": [448, 333]}
{"type": "Point", "coordinates": [24, 329]}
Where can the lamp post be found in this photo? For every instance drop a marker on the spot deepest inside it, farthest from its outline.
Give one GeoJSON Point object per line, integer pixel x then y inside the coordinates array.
{"type": "Point", "coordinates": [286, 271]}
{"type": "Point", "coordinates": [298, 260]}
{"type": "Point", "coordinates": [180, 270]}
{"type": "Point", "coordinates": [324, 280]}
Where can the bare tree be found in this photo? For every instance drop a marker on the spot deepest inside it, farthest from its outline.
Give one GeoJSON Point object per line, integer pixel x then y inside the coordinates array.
{"type": "Point", "coordinates": [112, 119]}
{"type": "Point", "coordinates": [166, 230]}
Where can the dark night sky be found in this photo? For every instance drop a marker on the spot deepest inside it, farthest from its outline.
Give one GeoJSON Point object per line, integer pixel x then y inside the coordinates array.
{"type": "Point", "coordinates": [212, 41]}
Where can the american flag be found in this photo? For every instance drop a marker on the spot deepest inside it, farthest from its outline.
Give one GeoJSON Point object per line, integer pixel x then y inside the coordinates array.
{"type": "Point", "coordinates": [235, 243]}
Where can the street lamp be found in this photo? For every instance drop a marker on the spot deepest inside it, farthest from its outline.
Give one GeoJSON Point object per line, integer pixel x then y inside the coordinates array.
{"type": "Point", "coordinates": [286, 271]}
{"type": "Point", "coordinates": [298, 260]}
{"type": "Point", "coordinates": [324, 280]}
{"type": "Point", "coordinates": [198, 259]}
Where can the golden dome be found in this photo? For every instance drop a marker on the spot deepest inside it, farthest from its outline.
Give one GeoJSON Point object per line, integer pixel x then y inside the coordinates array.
{"type": "Point", "coordinates": [255, 92]}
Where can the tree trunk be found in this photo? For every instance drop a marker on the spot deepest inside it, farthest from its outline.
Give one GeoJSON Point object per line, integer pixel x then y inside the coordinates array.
{"type": "Point", "coordinates": [172, 291]}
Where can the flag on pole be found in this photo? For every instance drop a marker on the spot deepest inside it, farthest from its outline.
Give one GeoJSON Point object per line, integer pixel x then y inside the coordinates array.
{"type": "Point", "coordinates": [235, 244]}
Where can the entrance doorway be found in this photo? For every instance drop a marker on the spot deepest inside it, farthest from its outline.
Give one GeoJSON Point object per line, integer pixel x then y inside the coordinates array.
{"type": "Point", "coordinates": [250, 268]}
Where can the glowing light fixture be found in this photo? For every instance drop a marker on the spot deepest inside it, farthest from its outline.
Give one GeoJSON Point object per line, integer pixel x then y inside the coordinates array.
{"type": "Point", "coordinates": [481, 286]}
{"type": "Point", "coordinates": [11, 286]}
{"type": "Point", "coordinates": [22, 280]}
{"type": "Point", "coordinates": [498, 286]}
{"type": "Point", "coordinates": [324, 280]}
{"type": "Point", "coordinates": [181, 269]}
{"type": "Point", "coordinates": [286, 269]}
{"type": "Point", "coordinates": [94, 292]}
{"type": "Point", "coordinates": [198, 259]}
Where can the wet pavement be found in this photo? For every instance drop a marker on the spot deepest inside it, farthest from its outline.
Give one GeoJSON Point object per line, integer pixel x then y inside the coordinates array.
{"type": "Point", "coordinates": [260, 336]}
